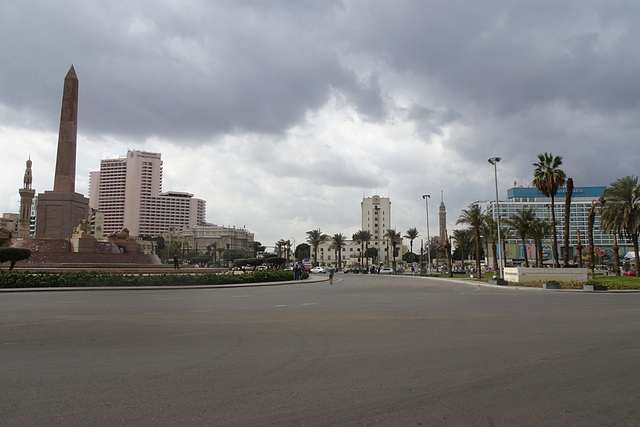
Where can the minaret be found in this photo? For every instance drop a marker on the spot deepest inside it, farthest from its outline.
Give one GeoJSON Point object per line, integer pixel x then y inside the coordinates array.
{"type": "Point", "coordinates": [443, 219]}
{"type": "Point", "coordinates": [60, 210]}
{"type": "Point", "coordinates": [26, 199]}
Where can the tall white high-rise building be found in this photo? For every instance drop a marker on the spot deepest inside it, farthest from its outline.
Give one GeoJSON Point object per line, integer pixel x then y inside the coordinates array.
{"type": "Point", "coordinates": [376, 218]}
{"type": "Point", "coordinates": [128, 191]}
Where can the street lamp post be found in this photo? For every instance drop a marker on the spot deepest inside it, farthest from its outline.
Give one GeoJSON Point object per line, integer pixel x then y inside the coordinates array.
{"type": "Point", "coordinates": [426, 200]}
{"type": "Point", "coordinates": [494, 161]}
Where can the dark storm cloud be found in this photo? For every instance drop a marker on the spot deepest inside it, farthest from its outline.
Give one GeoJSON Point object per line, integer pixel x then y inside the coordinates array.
{"type": "Point", "coordinates": [182, 72]}
{"type": "Point", "coordinates": [321, 100]}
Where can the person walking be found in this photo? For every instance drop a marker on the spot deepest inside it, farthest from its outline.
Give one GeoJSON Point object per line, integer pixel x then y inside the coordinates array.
{"type": "Point", "coordinates": [175, 263]}
{"type": "Point", "coordinates": [331, 273]}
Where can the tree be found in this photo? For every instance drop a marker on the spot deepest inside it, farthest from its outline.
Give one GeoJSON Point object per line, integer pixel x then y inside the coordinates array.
{"type": "Point", "coordinates": [276, 261]}
{"type": "Point", "coordinates": [522, 221]}
{"type": "Point", "coordinates": [412, 234]}
{"type": "Point", "coordinates": [257, 248]}
{"type": "Point", "coordinates": [463, 238]}
{"type": "Point", "coordinates": [280, 244]}
{"type": "Point", "coordinates": [590, 222]}
{"type": "Point", "coordinates": [539, 230]}
{"type": "Point", "coordinates": [315, 238]}
{"type": "Point", "coordinates": [490, 232]}
{"type": "Point", "coordinates": [337, 243]}
{"type": "Point", "coordinates": [362, 237]}
{"type": "Point", "coordinates": [567, 215]}
{"type": "Point", "coordinates": [394, 238]}
{"type": "Point", "coordinates": [303, 250]}
{"type": "Point", "coordinates": [13, 255]}
{"type": "Point", "coordinates": [474, 217]}
{"type": "Point", "coordinates": [621, 212]}
{"type": "Point", "coordinates": [547, 178]}
{"type": "Point", "coordinates": [372, 253]}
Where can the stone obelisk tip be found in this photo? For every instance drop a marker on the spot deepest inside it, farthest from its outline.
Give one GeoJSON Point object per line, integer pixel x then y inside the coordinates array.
{"type": "Point", "coordinates": [71, 73]}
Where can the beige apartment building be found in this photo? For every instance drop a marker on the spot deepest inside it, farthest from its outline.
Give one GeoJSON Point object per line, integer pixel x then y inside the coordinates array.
{"type": "Point", "coordinates": [214, 238]}
{"type": "Point", "coordinates": [128, 192]}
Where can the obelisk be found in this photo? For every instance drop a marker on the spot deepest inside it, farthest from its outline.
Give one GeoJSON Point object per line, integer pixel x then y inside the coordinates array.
{"type": "Point", "coordinates": [60, 210]}
{"type": "Point", "coordinates": [65, 178]}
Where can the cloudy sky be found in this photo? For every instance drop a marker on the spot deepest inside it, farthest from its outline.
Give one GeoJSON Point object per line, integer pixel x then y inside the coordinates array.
{"type": "Point", "coordinates": [283, 114]}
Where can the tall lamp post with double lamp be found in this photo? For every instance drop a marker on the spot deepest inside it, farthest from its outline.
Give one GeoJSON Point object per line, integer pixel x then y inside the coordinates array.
{"type": "Point", "coordinates": [426, 200]}
{"type": "Point", "coordinates": [494, 161]}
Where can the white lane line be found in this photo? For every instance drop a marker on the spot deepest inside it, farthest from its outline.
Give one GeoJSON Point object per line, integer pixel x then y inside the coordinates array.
{"type": "Point", "coordinates": [202, 311]}
{"type": "Point", "coordinates": [309, 303]}
{"type": "Point", "coordinates": [241, 296]}
{"type": "Point", "coordinates": [71, 301]}
{"type": "Point", "coordinates": [281, 305]}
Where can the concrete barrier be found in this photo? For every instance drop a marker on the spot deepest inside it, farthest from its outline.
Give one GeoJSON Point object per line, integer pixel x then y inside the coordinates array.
{"type": "Point", "coordinates": [522, 274]}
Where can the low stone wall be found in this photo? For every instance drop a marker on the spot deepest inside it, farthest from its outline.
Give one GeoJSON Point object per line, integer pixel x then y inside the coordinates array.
{"type": "Point", "coordinates": [522, 274]}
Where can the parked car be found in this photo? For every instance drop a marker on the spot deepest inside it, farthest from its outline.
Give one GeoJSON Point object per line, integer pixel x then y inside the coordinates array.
{"type": "Point", "coordinates": [629, 273]}
{"type": "Point", "coordinates": [386, 270]}
{"type": "Point", "coordinates": [262, 267]}
{"type": "Point", "coordinates": [318, 270]}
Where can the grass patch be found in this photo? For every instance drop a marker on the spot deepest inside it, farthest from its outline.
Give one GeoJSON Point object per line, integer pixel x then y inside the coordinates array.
{"type": "Point", "coordinates": [613, 282]}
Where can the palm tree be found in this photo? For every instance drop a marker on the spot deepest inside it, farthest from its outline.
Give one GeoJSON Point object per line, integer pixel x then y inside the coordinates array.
{"type": "Point", "coordinates": [521, 221]}
{"type": "Point", "coordinates": [338, 241]}
{"type": "Point", "coordinates": [590, 222]}
{"type": "Point", "coordinates": [315, 238]}
{"type": "Point", "coordinates": [411, 234]}
{"type": "Point", "coordinates": [474, 217]}
{"type": "Point", "coordinates": [490, 232]}
{"type": "Point", "coordinates": [279, 245]}
{"type": "Point", "coordinates": [567, 215]}
{"type": "Point", "coordinates": [463, 239]}
{"type": "Point", "coordinates": [547, 178]}
{"type": "Point", "coordinates": [621, 213]}
{"type": "Point", "coordinates": [394, 238]}
{"type": "Point", "coordinates": [362, 237]}
{"type": "Point", "coordinates": [539, 230]}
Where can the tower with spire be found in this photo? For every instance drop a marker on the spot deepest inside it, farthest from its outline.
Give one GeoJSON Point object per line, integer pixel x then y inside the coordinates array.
{"type": "Point", "coordinates": [442, 219]}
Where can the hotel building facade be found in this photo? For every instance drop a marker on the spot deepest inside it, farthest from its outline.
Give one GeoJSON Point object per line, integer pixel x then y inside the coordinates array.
{"type": "Point", "coordinates": [128, 192]}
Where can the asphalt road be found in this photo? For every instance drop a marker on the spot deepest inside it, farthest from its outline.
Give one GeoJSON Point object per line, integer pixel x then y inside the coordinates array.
{"type": "Point", "coordinates": [369, 350]}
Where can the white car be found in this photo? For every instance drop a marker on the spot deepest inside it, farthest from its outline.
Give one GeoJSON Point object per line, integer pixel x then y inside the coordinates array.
{"type": "Point", "coordinates": [316, 270]}
{"type": "Point", "coordinates": [386, 270]}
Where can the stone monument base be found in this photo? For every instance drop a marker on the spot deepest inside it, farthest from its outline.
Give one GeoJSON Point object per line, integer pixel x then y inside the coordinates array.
{"type": "Point", "coordinates": [83, 245]}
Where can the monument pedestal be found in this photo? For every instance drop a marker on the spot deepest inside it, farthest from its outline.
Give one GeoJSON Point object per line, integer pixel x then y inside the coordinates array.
{"type": "Point", "coordinates": [59, 212]}
{"type": "Point", "coordinates": [83, 244]}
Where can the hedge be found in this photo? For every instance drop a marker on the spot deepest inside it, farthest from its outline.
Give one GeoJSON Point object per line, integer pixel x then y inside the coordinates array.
{"type": "Point", "coordinates": [101, 279]}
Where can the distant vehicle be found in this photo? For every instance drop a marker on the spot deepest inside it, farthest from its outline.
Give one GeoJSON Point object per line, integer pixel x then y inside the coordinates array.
{"type": "Point", "coordinates": [629, 273]}
{"type": "Point", "coordinates": [318, 270]}
{"type": "Point", "coordinates": [262, 267]}
{"type": "Point", "coordinates": [460, 272]}
{"type": "Point", "coordinates": [288, 268]}
{"type": "Point", "coordinates": [386, 270]}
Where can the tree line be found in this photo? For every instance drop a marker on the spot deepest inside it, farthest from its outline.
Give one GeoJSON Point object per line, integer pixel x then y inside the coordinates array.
{"type": "Point", "coordinates": [619, 210]}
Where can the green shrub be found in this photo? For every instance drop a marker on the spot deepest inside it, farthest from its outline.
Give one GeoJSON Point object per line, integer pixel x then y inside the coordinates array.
{"type": "Point", "coordinates": [13, 255]}
{"type": "Point", "coordinates": [105, 279]}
